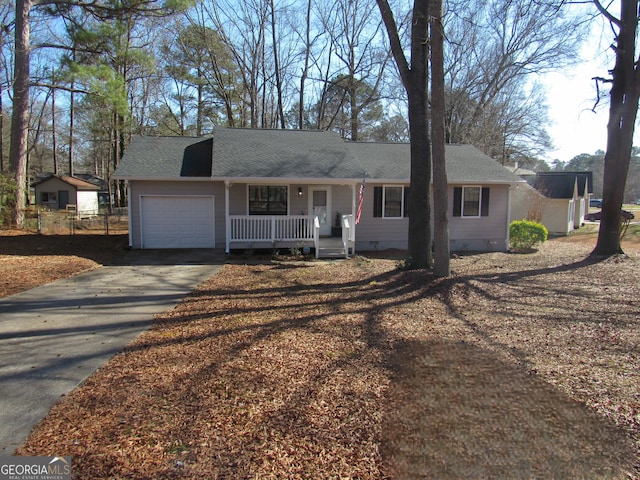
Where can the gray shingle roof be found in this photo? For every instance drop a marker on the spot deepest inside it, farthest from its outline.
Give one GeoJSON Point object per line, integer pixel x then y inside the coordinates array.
{"type": "Point", "coordinates": [166, 158]}
{"type": "Point", "coordinates": [254, 153]}
{"type": "Point", "coordinates": [464, 163]}
{"type": "Point", "coordinates": [561, 184]}
{"type": "Point", "coordinates": [259, 153]}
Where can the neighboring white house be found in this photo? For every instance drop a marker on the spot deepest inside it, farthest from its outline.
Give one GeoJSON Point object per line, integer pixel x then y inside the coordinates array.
{"type": "Point", "coordinates": [250, 188]}
{"type": "Point", "coordinates": [62, 192]}
{"type": "Point", "coordinates": [558, 200]}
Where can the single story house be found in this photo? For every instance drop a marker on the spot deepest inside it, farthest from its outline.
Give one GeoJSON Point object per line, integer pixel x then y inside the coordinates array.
{"type": "Point", "coordinates": [558, 200]}
{"type": "Point", "coordinates": [63, 192]}
{"type": "Point", "coordinates": [251, 188]}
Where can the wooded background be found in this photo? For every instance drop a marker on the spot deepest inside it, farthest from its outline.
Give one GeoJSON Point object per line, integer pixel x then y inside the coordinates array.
{"type": "Point", "coordinates": [101, 72]}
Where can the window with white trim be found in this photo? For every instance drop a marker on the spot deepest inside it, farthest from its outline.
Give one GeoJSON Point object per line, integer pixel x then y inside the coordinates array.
{"type": "Point", "coordinates": [390, 201]}
{"type": "Point", "coordinates": [471, 201]}
{"type": "Point", "coordinates": [268, 199]}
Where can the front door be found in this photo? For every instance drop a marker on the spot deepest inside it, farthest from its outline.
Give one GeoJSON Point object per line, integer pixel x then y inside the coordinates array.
{"type": "Point", "coordinates": [320, 198]}
{"type": "Point", "coordinates": [63, 199]}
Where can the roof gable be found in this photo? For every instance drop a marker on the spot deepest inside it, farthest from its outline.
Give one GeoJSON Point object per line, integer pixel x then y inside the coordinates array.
{"type": "Point", "coordinates": [166, 157]}
{"type": "Point", "coordinates": [563, 184]}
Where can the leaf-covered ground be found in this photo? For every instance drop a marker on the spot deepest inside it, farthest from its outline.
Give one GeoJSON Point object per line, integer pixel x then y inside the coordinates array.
{"type": "Point", "coordinates": [28, 260]}
{"type": "Point", "coordinates": [518, 366]}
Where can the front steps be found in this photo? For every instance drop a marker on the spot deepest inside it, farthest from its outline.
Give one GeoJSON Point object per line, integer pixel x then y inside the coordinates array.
{"type": "Point", "coordinates": [331, 248]}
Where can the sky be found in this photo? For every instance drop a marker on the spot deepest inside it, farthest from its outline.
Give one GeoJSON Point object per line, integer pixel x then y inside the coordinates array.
{"type": "Point", "coordinates": [575, 128]}
{"type": "Point", "coordinates": [571, 95]}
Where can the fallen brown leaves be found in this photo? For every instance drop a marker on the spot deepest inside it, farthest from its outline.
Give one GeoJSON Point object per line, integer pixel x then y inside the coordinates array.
{"type": "Point", "coordinates": [517, 366]}
{"type": "Point", "coordinates": [28, 260]}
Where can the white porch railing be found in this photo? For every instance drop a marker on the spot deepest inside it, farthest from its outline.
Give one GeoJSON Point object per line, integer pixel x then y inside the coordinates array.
{"type": "Point", "coordinates": [316, 235]}
{"type": "Point", "coordinates": [348, 233]}
{"type": "Point", "coordinates": [296, 228]}
{"type": "Point", "coordinates": [258, 228]}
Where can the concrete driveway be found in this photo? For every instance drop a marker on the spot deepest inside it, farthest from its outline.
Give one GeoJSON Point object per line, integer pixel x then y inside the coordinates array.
{"type": "Point", "coordinates": [54, 336]}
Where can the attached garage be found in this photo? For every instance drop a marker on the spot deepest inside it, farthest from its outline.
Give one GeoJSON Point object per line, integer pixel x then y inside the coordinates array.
{"type": "Point", "coordinates": [177, 221]}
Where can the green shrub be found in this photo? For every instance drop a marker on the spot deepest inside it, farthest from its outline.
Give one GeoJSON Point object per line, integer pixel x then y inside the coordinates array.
{"type": "Point", "coordinates": [526, 234]}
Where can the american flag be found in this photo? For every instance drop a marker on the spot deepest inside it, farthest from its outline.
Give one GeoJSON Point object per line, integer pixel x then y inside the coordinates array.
{"type": "Point", "coordinates": [360, 202]}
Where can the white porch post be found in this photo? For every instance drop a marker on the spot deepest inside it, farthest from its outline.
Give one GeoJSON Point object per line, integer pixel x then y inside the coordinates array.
{"type": "Point", "coordinates": [128, 213]}
{"type": "Point", "coordinates": [227, 219]}
{"type": "Point", "coordinates": [508, 235]}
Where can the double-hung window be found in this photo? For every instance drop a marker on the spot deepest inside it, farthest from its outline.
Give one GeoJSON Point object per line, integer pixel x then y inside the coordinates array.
{"type": "Point", "coordinates": [471, 201]}
{"type": "Point", "coordinates": [390, 201]}
{"type": "Point", "coordinates": [268, 199]}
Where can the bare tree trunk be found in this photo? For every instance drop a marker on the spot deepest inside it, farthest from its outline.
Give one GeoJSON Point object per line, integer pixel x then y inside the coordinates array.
{"type": "Point", "coordinates": [353, 107]}
{"type": "Point", "coordinates": [54, 143]}
{"type": "Point", "coordinates": [415, 80]}
{"type": "Point", "coordinates": [277, 64]}
{"type": "Point", "coordinates": [441, 266]}
{"type": "Point", "coordinates": [199, 113]}
{"type": "Point", "coordinates": [305, 69]}
{"type": "Point", "coordinates": [72, 119]}
{"type": "Point", "coordinates": [623, 109]}
{"type": "Point", "coordinates": [1, 134]}
{"type": "Point", "coordinates": [20, 116]}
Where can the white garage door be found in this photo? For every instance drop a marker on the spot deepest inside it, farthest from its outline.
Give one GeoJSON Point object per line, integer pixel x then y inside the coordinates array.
{"type": "Point", "coordinates": [177, 221]}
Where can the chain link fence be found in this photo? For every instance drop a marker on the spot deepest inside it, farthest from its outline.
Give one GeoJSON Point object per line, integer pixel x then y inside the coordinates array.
{"type": "Point", "coordinates": [68, 223]}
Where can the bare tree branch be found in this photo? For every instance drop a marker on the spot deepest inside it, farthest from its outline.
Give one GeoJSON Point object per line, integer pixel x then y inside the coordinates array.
{"type": "Point", "coordinates": [394, 40]}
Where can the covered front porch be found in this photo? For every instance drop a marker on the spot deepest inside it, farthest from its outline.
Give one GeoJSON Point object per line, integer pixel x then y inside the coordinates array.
{"type": "Point", "coordinates": [296, 231]}
{"type": "Point", "coordinates": [325, 221]}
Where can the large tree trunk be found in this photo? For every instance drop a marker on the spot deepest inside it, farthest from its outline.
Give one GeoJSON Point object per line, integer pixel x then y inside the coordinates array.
{"type": "Point", "coordinates": [20, 116]}
{"type": "Point", "coordinates": [420, 238]}
{"type": "Point", "coordinates": [441, 266]}
{"type": "Point", "coordinates": [420, 241]}
{"type": "Point", "coordinates": [623, 109]}
{"type": "Point", "coordinates": [415, 80]}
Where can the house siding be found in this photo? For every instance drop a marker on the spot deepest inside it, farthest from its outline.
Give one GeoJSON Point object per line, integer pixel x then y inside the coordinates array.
{"type": "Point", "coordinates": [87, 203]}
{"type": "Point", "coordinates": [377, 233]}
{"type": "Point", "coordinates": [139, 187]}
{"type": "Point", "coordinates": [471, 234]}
{"type": "Point", "coordinates": [372, 233]}
{"type": "Point", "coordinates": [55, 185]}
{"type": "Point", "coordinates": [481, 233]}
{"type": "Point", "coordinates": [238, 203]}
{"type": "Point", "coordinates": [341, 198]}
{"type": "Point", "coordinates": [557, 216]}
{"type": "Point", "coordinates": [554, 213]}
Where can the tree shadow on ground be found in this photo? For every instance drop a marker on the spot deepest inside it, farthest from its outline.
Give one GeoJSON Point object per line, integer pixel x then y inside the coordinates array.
{"type": "Point", "coordinates": [100, 248]}
{"type": "Point", "coordinates": [460, 412]}
{"type": "Point", "coordinates": [280, 371]}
